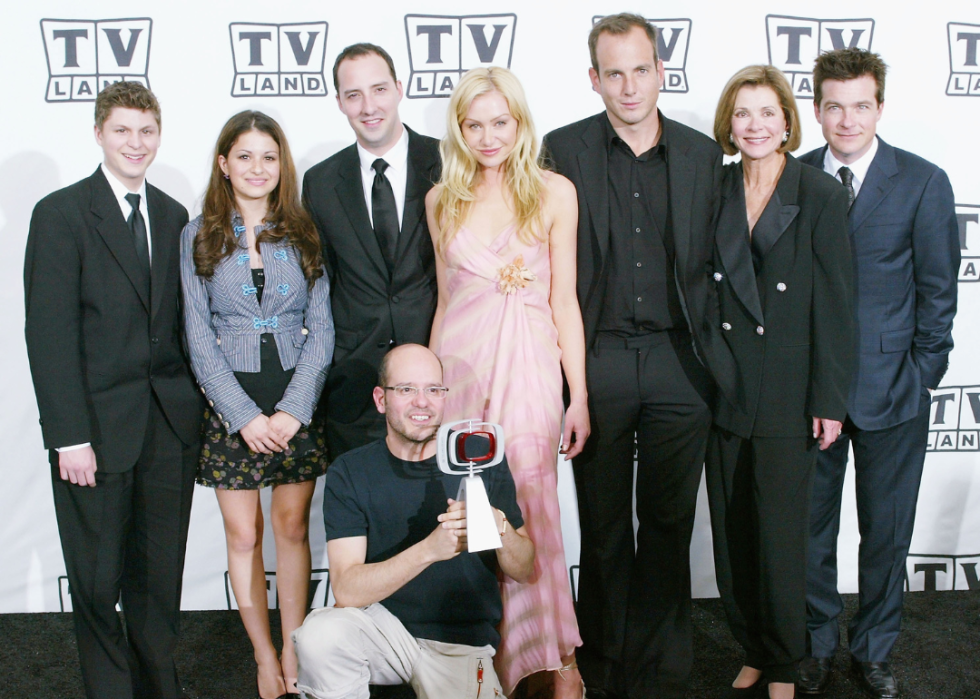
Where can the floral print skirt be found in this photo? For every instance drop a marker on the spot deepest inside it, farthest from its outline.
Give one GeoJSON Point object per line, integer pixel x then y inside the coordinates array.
{"type": "Point", "coordinates": [227, 462]}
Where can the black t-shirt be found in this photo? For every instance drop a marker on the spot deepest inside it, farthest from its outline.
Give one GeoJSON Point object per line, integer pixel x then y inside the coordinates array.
{"type": "Point", "coordinates": [395, 504]}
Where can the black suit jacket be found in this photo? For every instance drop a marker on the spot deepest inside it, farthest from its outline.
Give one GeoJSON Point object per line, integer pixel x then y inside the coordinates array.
{"type": "Point", "coordinates": [906, 260]}
{"type": "Point", "coordinates": [99, 346]}
{"type": "Point", "coordinates": [371, 311]}
{"type": "Point", "coordinates": [694, 169]}
{"type": "Point", "coordinates": [788, 325]}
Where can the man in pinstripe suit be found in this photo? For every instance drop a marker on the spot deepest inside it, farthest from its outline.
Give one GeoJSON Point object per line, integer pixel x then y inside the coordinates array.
{"type": "Point", "coordinates": [119, 410]}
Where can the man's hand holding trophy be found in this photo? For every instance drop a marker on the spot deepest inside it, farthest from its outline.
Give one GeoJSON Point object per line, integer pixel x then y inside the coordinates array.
{"type": "Point", "coordinates": [471, 446]}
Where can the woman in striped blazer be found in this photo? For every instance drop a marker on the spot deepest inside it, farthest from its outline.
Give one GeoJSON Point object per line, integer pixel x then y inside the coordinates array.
{"type": "Point", "coordinates": [260, 337]}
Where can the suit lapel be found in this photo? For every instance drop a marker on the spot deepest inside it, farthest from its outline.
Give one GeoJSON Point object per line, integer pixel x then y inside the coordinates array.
{"type": "Point", "coordinates": [681, 173]}
{"type": "Point", "coordinates": [417, 185]}
{"type": "Point", "coordinates": [781, 210]}
{"type": "Point", "coordinates": [593, 163]}
{"type": "Point", "coordinates": [733, 245]}
{"type": "Point", "coordinates": [876, 186]}
{"type": "Point", "coordinates": [116, 234]}
{"type": "Point", "coordinates": [350, 191]}
{"type": "Point", "coordinates": [161, 233]}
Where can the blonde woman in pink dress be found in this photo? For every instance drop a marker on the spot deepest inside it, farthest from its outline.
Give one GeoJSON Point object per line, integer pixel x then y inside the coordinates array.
{"type": "Point", "coordinates": [506, 324]}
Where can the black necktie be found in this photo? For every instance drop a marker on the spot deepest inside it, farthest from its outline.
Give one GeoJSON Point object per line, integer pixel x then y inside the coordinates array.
{"type": "Point", "coordinates": [847, 177]}
{"type": "Point", "coordinates": [138, 228]}
{"type": "Point", "coordinates": [384, 213]}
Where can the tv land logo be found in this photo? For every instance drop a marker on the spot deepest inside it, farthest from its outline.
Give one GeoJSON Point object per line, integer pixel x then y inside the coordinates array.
{"type": "Point", "coordinates": [442, 48]}
{"type": "Point", "coordinates": [954, 421]}
{"type": "Point", "coordinates": [85, 55]}
{"type": "Point", "coordinates": [673, 42]}
{"type": "Point", "coordinates": [964, 70]}
{"type": "Point", "coordinates": [795, 42]}
{"type": "Point", "coordinates": [319, 595]}
{"type": "Point", "coordinates": [942, 572]}
{"type": "Point", "coordinates": [279, 60]}
{"type": "Point", "coordinates": [968, 220]}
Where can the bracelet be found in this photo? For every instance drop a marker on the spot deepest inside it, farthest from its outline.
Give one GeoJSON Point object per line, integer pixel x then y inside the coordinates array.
{"type": "Point", "coordinates": [505, 522]}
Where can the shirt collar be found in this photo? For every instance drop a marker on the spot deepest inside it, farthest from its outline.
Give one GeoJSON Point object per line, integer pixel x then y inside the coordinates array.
{"type": "Point", "coordinates": [396, 156]}
{"type": "Point", "coordinates": [613, 139]}
{"type": "Point", "coordinates": [120, 191]}
{"type": "Point", "coordinates": [859, 168]}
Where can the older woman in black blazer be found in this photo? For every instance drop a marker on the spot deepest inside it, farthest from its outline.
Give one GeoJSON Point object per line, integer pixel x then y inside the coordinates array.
{"type": "Point", "coordinates": [782, 268]}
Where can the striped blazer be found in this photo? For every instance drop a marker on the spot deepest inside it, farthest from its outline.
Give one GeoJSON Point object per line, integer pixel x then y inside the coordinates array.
{"type": "Point", "coordinates": [223, 322]}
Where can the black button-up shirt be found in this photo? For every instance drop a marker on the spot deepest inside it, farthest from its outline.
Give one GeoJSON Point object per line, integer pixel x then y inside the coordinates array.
{"type": "Point", "coordinates": [640, 295]}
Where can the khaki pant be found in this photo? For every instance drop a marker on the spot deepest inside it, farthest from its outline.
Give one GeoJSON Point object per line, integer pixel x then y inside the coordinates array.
{"type": "Point", "coordinates": [342, 651]}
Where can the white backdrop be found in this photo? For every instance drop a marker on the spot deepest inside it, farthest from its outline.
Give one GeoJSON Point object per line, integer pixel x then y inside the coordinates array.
{"type": "Point", "coordinates": [190, 52]}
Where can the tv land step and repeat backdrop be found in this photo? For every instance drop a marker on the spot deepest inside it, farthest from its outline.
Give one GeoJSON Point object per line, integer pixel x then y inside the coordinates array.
{"type": "Point", "coordinates": [206, 61]}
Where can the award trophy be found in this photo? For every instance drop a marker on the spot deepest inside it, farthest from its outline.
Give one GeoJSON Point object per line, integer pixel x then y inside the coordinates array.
{"type": "Point", "coordinates": [452, 456]}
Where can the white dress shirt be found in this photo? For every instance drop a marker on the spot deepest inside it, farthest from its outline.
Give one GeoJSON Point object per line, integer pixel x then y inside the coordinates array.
{"type": "Point", "coordinates": [397, 173]}
{"type": "Point", "coordinates": [859, 168]}
{"type": "Point", "coordinates": [120, 190]}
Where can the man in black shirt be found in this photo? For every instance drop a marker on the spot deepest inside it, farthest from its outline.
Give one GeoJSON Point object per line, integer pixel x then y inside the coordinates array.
{"type": "Point", "coordinates": [412, 605]}
{"type": "Point", "coordinates": [648, 194]}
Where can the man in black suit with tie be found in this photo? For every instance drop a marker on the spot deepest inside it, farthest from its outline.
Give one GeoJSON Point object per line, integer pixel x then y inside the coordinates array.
{"type": "Point", "coordinates": [906, 254]}
{"type": "Point", "coordinates": [368, 203]}
{"type": "Point", "coordinates": [648, 194]}
{"type": "Point", "coordinates": [119, 410]}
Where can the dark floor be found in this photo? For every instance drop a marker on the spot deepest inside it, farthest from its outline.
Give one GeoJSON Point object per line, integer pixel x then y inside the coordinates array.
{"type": "Point", "coordinates": [936, 657]}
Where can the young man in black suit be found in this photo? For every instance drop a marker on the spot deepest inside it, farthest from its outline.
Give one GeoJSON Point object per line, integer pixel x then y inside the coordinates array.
{"type": "Point", "coordinates": [368, 202]}
{"type": "Point", "coordinates": [906, 254]}
{"type": "Point", "coordinates": [119, 410]}
{"type": "Point", "coordinates": [648, 195]}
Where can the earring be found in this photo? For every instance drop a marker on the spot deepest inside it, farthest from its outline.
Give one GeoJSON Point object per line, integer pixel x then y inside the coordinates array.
{"type": "Point", "coordinates": [226, 174]}
{"type": "Point", "coordinates": [785, 137]}
{"type": "Point", "coordinates": [731, 139]}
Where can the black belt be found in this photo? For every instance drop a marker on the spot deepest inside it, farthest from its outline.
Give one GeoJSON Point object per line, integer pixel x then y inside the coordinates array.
{"type": "Point", "coordinates": [649, 340]}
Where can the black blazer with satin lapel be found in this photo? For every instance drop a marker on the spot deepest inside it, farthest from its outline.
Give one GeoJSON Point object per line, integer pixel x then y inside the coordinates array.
{"type": "Point", "coordinates": [905, 242]}
{"type": "Point", "coordinates": [99, 339]}
{"type": "Point", "coordinates": [787, 323]}
{"type": "Point", "coordinates": [694, 170]}
{"type": "Point", "coordinates": [372, 311]}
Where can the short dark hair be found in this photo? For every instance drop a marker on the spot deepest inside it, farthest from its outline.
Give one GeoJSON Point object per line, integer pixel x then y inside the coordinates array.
{"type": "Point", "coordinates": [848, 64]}
{"type": "Point", "coordinates": [127, 94]}
{"type": "Point", "coordinates": [617, 25]}
{"type": "Point", "coordinates": [356, 51]}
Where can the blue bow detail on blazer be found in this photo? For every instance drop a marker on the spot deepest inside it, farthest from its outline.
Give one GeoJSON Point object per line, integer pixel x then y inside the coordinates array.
{"type": "Point", "coordinates": [224, 326]}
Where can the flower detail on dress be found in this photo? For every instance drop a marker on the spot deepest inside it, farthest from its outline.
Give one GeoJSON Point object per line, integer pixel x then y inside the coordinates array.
{"type": "Point", "coordinates": [514, 276]}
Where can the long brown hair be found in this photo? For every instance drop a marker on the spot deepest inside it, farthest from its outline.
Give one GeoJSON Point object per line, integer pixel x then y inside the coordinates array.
{"type": "Point", "coordinates": [216, 240]}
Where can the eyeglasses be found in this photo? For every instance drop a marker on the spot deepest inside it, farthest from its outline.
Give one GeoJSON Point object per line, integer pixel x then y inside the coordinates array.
{"type": "Point", "coordinates": [433, 392]}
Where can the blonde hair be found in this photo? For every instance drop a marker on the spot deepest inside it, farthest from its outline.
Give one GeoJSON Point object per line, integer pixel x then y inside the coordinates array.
{"type": "Point", "coordinates": [460, 169]}
{"type": "Point", "coordinates": [757, 76]}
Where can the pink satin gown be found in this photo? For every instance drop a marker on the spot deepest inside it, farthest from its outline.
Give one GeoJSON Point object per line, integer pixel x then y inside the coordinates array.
{"type": "Point", "coordinates": [502, 363]}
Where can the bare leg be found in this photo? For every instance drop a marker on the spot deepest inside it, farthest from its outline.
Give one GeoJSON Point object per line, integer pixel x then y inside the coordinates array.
{"type": "Point", "coordinates": [568, 683]}
{"type": "Point", "coordinates": [747, 677]}
{"type": "Point", "coordinates": [782, 690]}
{"type": "Point", "coordinates": [242, 515]}
{"type": "Point", "coordinates": [291, 526]}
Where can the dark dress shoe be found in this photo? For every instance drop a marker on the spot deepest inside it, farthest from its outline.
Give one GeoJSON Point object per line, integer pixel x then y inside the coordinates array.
{"type": "Point", "coordinates": [815, 675]}
{"type": "Point", "coordinates": [876, 679]}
